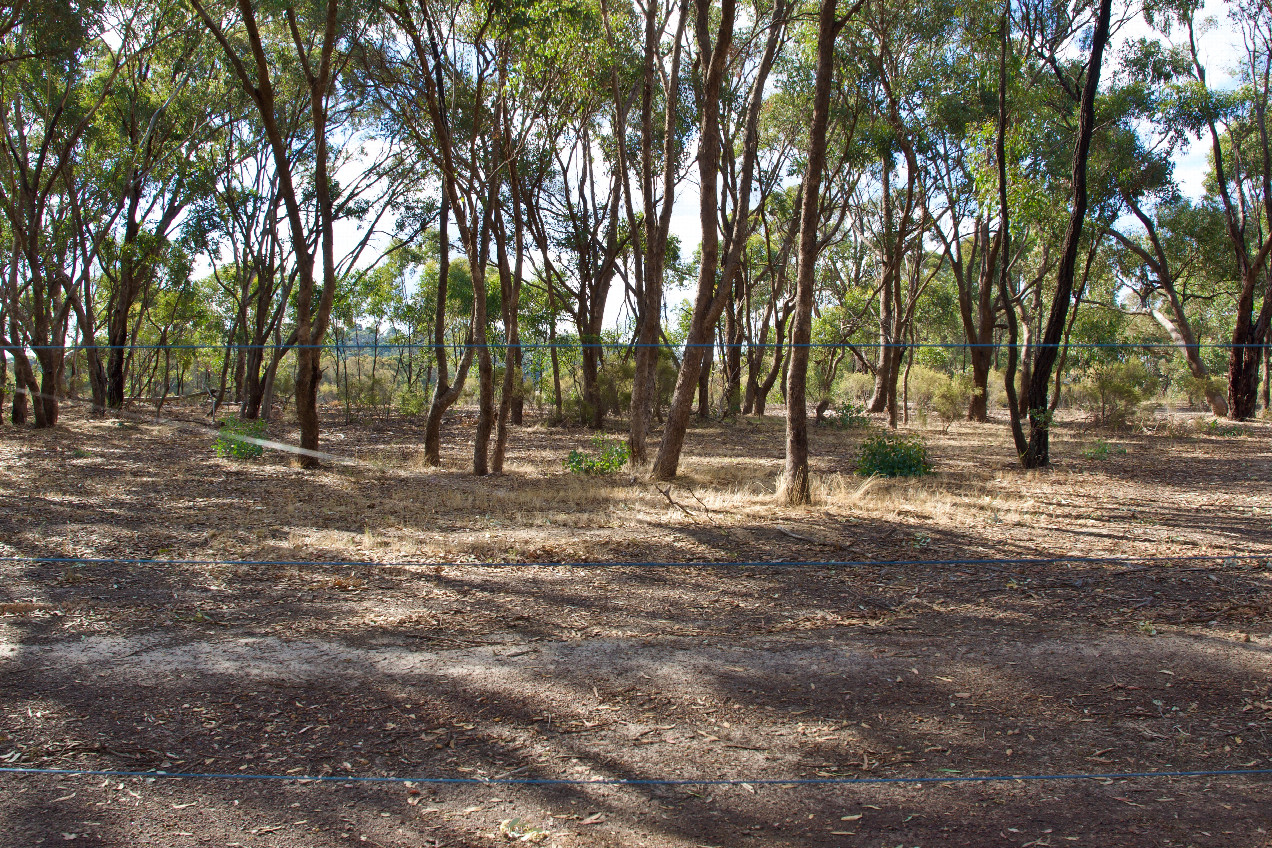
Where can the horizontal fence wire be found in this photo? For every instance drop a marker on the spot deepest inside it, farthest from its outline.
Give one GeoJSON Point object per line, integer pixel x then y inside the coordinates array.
{"type": "Point", "coordinates": [993, 561]}
{"type": "Point", "coordinates": [347, 347]}
{"type": "Point", "coordinates": [644, 781]}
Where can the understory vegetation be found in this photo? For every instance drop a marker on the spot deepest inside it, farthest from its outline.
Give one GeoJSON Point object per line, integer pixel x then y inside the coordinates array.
{"type": "Point", "coordinates": [946, 211]}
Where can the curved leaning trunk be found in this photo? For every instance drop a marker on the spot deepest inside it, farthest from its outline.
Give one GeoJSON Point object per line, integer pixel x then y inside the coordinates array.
{"type": "Point", "coordinates": [1181, 334]}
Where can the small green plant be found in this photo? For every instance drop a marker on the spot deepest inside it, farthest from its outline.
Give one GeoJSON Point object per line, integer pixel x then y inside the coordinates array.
{"type": "Point", "coordinates": [1215, 427]}
{"type": "Point", "coordinates": [413, 403]}
{"type": "Point", "coordinates": [609, 455]}
{"type": "Point", "coordinates": [850, 416]}
{"type": "Point", "coordinates": [1102, 450]}
{"type": "Point", "coordinates": [892, 455]}
{"type": "Point", "coordinates": [80, 453]}
{"type": "Point", "coordinates": [235, 438]}
{"type": "Point", "coordinates": [1146, 627]}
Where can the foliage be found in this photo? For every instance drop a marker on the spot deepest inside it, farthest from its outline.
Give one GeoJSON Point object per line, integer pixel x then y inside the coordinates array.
{"type": "Point", "coordinates": [1101, 450]}
{"type": "Point", "coordinates": [857, 386]}
{"type": "Point", "coordinates": [608, 456]}
{"type": "Point", "coordinates": [850, 416]}
{"type": "Point", "coordinates": [412, 403]}
{"type": "Point", "coordinates": [952, 398]}
{"type": "Point", "coordinates": [234, 438]}
{"type": "Point", "coordinates": [1112, 391]}
{"type": "Point", "coordinates": [923, 386]}
{"type": "Point", "coordinates": [1215, 427]}
{"type": "Point", "coordinates": [893, 455]}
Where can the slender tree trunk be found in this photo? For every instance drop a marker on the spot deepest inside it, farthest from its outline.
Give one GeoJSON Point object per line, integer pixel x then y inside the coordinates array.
{"type": "Point", "coordinates": [702, 327]}
{"type": "Point", "coordinates": [1038, 451]}
{"type": "Point", "coordinates": [704, 384]}
{"type": "Point", "coordinates": [1004, 226]}
{"type": "Point", "coordinates": [444, 394]}
{"type": "Point", "coordinates": [795, 487]}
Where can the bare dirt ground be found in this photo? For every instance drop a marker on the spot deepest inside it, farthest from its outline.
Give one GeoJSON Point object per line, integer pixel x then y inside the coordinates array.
{"type": "Point", "coordinates": [342, 668]}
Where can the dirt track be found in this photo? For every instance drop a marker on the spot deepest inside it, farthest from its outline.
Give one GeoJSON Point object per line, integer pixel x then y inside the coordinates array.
{"type": "Point", "coordinates": [405, 668]}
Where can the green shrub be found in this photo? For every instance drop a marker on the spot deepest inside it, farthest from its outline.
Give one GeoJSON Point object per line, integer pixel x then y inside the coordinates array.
{"type": "Point", "coordinates": [610, 455]}
{"type": "Point", "coordinates": [1112, 391]}
{"type": "Point", "coordinates": [1215, 427]}
{"type": "Point", "coordinates": [1101, 450]}
{"type": "Point", "coordinates": [857, 387]}
{"type": "Point", "coordinates": [893, 455]}
{"type": "Point", "coordinates": [413, 403]}
{"type": "Point", "coordinates": [924, 384]}
{"type": "Point", "coordinates": [952, 398]}
{"type": "Point", "coordinates": [850, 416]}
{"type": "Point", "coordinates": [233, 440]}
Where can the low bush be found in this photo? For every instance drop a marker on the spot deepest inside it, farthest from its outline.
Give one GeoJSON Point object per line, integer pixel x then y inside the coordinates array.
{"type": "Point", "coordinates": [413, 403]}
{"type": "Point", "coordinates": [856, 387]}
{"type": "Point", "coordinates": [850, 416]}
{"type": "Point", "coordinates": [235, 438]}
{"type": "Point", "coordinates": [1102, 450]}
{"type": "Point", "coordinates": [607, 457]}
{"type": "Point", "coordinates": [1112, 391]}
{"type": "Point", "coordinates": [893, 455]}
{"type": "Point", "coordinates": [924, 384]}
{"type": "Point", "coordinates": [1223, 429]}
{"type": "Point", "coordinates": [952, 399]}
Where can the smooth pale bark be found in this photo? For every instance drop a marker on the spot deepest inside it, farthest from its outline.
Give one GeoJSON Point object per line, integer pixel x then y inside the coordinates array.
{"type": "Point", "coordinates": [795, 488]}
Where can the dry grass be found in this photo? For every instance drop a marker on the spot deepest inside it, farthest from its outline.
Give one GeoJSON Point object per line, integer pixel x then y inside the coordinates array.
{"type": "Point", "coordinates": [383, 503]}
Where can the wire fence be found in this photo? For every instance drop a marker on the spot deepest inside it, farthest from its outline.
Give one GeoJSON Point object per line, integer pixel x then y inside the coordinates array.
{"type": "Point", "coordinates": [950, 777]}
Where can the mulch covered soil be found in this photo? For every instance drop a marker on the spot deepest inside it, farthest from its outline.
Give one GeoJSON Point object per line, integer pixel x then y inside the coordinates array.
{"type": "Point", "coordinates": [354, 622]}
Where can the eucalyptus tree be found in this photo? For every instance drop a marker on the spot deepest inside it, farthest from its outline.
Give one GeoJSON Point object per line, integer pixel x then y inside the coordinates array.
{"type": "Point", "coordinates": [155, 141]}
{"type": "Point", "coordinates": [49, 100]}
{"type": "Point", "coordinates": [1047, 30]}
{"type": "Point", "coordinates": [768, 309]}
{"type": "Point", "coordinates": [280, 54]}
{"type": "Point", "coordinates": [659, 168]}
{"type": "Point", "coordinates": [1235, 124]}
{"type": "Point", "coordinates": [961, 200]}
{"type": "Point", "coordinates": [239, 226]}
{"type": "Point", "coordinates": [466, 61]}
{"type": "Point", "coordinates": [1171, 244]}
{"type": "Point", "coordinates": [269, 48]}
{"type": "Point", "coordinates": [794, 488]}
{"type": "Point", "coordinates": [733, 217]}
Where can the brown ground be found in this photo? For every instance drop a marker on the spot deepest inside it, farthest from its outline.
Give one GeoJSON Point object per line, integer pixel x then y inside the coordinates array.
{"type": "Point", "coordinates": [406, 668]}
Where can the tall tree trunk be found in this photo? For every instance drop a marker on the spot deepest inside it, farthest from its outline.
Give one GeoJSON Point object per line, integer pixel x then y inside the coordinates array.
{"type": "Point", "coordinates": [795, 487]}
{"type": "Point", "coordinates": [709, 303]}
{"type": "Point", "coordinates": [657, 224]}
{"type": "Point", "coordinates": [1038, 452]}
{"type": "Point", "coordinates": [444, 394]}
{"type": "Point", "coordinates": [1004, 229]}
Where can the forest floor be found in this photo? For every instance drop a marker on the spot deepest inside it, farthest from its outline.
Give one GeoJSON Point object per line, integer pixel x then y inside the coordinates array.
{"type": "Point", "coordinates": [336, 667]}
